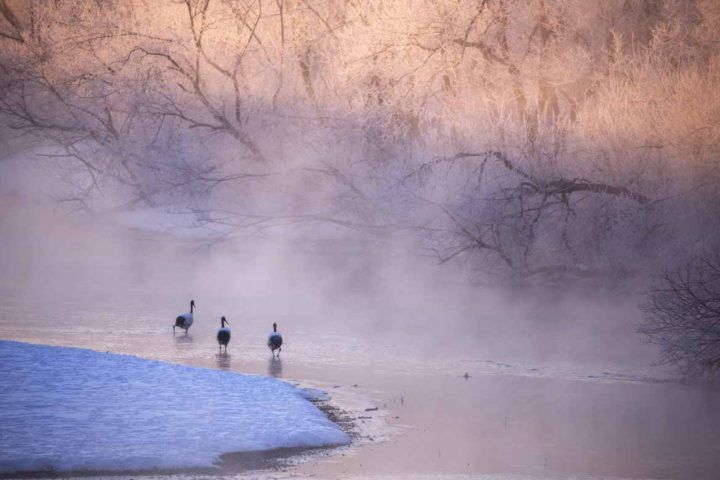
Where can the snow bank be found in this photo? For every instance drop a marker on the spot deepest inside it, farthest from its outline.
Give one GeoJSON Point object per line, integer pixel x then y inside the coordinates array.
{"type": "Point", "coordinates": [314, 394]}
{"type": "Point", "coordinates": [73, 409]}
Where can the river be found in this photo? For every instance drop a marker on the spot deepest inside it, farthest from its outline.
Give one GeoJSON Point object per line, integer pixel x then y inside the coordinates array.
{"type": "Point", "coordinates": [467, 379]}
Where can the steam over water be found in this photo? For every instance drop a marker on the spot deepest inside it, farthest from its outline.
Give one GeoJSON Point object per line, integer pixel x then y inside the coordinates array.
{"type": "Point", "coordinates": [558, 382]}
{"type": "Point", "coordinates": [452, 209]}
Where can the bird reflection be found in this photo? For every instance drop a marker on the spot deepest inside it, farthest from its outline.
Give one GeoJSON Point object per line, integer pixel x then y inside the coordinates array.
{"type": "Point", "coordinates": [223, 360]}
{"type": "Point", "coordinates": [183, 339]}
{"type": "Point", "coordinates": [275, 368]}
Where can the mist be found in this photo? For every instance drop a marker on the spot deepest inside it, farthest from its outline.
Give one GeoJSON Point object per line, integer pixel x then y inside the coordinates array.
{"type": "Point", "coordinates": [441, 204]}
{"type": "Point", "coordinates": [83, 269]}
{"type": "Point", "coordinates": [555, 376]}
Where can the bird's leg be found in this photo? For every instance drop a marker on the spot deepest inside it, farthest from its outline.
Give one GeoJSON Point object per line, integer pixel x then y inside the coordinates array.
{"type": "Point", "coordinates": [173, 329]}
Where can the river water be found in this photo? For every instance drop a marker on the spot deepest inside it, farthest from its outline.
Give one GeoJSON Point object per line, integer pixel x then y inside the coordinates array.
{"type": "Point", "coordinates": [467, 379]}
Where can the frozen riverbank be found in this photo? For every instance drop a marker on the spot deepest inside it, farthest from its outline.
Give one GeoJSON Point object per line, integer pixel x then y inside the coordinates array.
{"type": "Point", "coordinates": [74, 409]}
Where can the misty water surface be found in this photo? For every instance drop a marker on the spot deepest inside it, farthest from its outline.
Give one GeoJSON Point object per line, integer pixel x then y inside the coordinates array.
{"type": "Point", "coordinates": [559, 383]}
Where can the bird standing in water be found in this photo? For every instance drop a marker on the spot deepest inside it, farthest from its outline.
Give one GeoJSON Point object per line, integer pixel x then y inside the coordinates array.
{"type": "Point", "coordinates": [275, 341]}
{"type": "Point", "coordinates": [186, 319]}
{"type": "Point", "coordinates": [223, 334]}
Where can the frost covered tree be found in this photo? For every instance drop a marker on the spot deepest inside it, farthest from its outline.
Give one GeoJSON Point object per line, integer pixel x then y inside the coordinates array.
{"type": "Point", "coordinates": [528, 139]}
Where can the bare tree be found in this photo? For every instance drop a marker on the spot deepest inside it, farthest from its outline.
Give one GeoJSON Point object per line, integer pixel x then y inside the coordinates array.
{"type": "Point", "coordinates": [682, 316]}
{"type": "Point", "coordinates": [534, 221]}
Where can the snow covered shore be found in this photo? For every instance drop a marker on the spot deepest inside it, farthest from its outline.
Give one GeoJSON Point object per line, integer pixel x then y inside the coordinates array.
{"type": "Point", "coordinates": [74, 409]}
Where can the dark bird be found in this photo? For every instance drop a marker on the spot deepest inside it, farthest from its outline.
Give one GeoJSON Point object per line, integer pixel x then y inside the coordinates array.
{"type": "Point", "coordinates": [223, 335]}
{"type": "Point", "coordinates": [274, 341]}
{"type": "Point", "coordinates": [186, 319]}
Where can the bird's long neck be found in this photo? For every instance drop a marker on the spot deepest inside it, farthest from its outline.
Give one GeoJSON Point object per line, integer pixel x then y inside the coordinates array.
{"type": "Point", "coordinates": [274, 327]}
{"type": "Point", "coordinates": [192, 307]}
